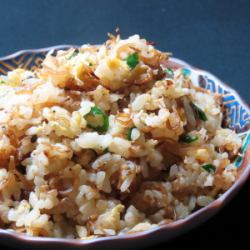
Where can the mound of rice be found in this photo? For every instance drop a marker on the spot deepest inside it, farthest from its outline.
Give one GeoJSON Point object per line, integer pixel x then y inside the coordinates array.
{"type": "Point", "coordinates": [105, 140]}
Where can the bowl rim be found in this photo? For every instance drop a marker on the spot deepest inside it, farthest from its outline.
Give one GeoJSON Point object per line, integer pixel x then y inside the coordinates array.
{"type": "Point", "coordinates": [216, 205]}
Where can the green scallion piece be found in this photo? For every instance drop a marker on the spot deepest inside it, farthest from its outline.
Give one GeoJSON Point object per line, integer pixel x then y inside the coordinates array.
{"type": "Point", "coordinates": [106, 150]}
{"type": "Point", "coordinates": [188, 138]}
{"type": "Point", "coordinates": [210, 168]}
{"type": "Point", "coordinates": [132, 60]}
{"type": "Point", "coordinates": [199, 112]}
{"type": "Point", "coordinates": [97, 120]}
{"type": "Point", "coordinates": [169, 72]}
{"type": "Point", "coordinates": [130, 133]}
{"type": "Point", "coordinates": [75, 53]}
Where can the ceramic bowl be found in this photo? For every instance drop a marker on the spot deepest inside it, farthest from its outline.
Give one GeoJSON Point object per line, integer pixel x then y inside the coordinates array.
{"type": "Point", "coordinates": [238, 118]}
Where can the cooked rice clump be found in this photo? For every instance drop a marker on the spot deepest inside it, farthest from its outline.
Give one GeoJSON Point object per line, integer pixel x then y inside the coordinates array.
{"type": "Point", "coordinates": [106, 140]}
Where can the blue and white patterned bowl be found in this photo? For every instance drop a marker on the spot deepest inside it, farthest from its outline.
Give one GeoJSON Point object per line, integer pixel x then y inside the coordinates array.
{"type": "Point", "coordinates": [237, 118]}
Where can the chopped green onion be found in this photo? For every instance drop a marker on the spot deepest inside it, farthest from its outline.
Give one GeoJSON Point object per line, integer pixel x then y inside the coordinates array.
{"type": "Point", "coordinates": [188, 138]}
{"type": "Point", "coordinates": [2, 82]}
{"type": "Point", "coordinates": [132, 60]}
{"type": "Point", "coordinates": [90, 64]}
{"type": "Point", "coordinates": [73, 54]}
{"type": "Point", "coordinates": [169, 72]}
{"type": "Point", "coordinates": [106, 150]}
{"type": "Point", "coordinates": [209, 168]}
{"type": "Point", "coordinates": [185, 72]}
{"type": "Point", "coordinates": [97, 120]}
{"type": "Point", "coordinates": [199, 112]}
{"type": "Point", "coordinates": [130, 133]}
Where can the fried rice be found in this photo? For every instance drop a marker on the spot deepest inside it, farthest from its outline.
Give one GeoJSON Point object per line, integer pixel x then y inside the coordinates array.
{"type": "Point", "coordinates": [106, 140]}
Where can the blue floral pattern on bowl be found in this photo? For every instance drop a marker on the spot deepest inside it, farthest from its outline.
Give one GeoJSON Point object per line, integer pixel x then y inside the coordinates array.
{"type": "Point", "coordinates": [237, 113]}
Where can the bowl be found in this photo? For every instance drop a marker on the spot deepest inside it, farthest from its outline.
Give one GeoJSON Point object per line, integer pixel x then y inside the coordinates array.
{"type": "Point", "coordinates": [238, 119]}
